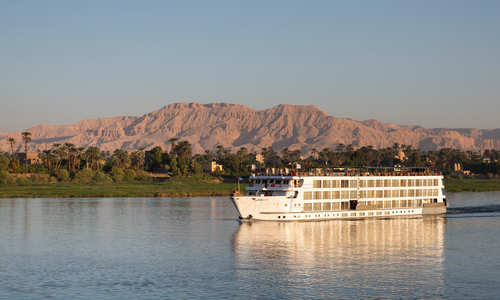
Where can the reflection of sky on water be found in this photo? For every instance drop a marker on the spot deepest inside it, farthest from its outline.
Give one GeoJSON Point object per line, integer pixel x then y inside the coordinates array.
{"type": "Point", "coordinates": [185, 248]}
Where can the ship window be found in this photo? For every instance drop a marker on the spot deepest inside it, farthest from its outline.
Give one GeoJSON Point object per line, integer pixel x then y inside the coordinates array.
{"type": "Point", "coordinates": [317, 206]}
{"type": "Point", "coordinates": [371, 183]}
{"type": "Point", "coordinates": [316, 184]}
{"type": "Point", "coordinates": [317, 195]}
{"type": "Point", "coordinates": [327, 206]}
{"type": "Point", "coordinates": [395, 203]}
{"type": "Point", "coordinates": [353, 183]}
{"type": "Point", "coordinates": [336, 206]}
{"type": "Point", "coordinates": [411, 193]}
{"type": "Point", "coordinates": [307, 206]}
{"type": "Point", "coordinates": [307, 195]}
{"type": "Point", "coordinates": [387, 194]}
{"type": "Point", "coordinates": [387, 204]}
{"type": "Point", "coordinates": [344, 183]}
{"type": "Point", "coordinates": [411, 182]}
{"type": "Point", "coordinates": [336, 194]}
{"type": "Point", "coordinates": [395, 183]}
{"type": "Point", "coordinates": [395, 193]}
{"type": "Point", "coordinates": [380, 183]}
{"type": "Point", "coordinates": [345, 194]}
{"type": "Point", "coordinates": [435, 182]}
{"type": "Point", "coordinates": [362, 183]}
{"type": "Point", "coordinates": [344, 205]}
{"type": "Point", "coordinates": [327, 195]}
{"type": "Point", "coordinates": [380, 194]}
{"type": "Point", "coordinates": [335, 183]}
{"type": "Point", "coordinates": [403, 182]}
{"type": "Point", "coordinates": [404, 203]}
{"type": "Point", "coordinates": [387, 182]}
{"type": "Point", "coordinates": [354, 194]}
{"type": "Point", "coordinates": [326, 183]}
{"type": "Point", "coordinates": [418, 182]}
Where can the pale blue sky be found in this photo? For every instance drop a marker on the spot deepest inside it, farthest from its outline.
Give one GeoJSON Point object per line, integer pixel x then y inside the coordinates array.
{"type": "Point", "coordinates": [429, 63]}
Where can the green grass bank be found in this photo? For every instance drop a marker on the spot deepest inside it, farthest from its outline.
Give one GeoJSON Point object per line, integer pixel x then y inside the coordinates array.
{"type": "Point", "coordinates": [471, 185]}
{"type": "Point", "coordinates": [181, 187]}
{"type": "Point", "coordinates": [171, 188]}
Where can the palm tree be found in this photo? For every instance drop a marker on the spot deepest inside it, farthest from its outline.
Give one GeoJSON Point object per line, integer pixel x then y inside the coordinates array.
{"type": "Point", "coordinates": [172, 141]}
{"type": "Point", "coordinates": [26, 139]}
{"type": "Point", "coordinates": [121, 158]}
{"type": "Point", "coordinates": [92, 155]}
{"type": "Point", "coordinates": [12, 142]}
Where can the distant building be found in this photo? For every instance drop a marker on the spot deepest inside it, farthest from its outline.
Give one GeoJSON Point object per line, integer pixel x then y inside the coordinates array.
{"type": "Point", "coordinates": [259, 158]}
{"type": "Point", "coordinates": [213, 167]}
{"type": "Point", "coordinates": [30, 158]}
{"type": "Point", "coordinates": [457, 167]}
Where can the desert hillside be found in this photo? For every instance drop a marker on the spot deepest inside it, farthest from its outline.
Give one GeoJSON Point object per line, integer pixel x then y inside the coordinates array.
{"type": "Point", "coordinates": [235, 126]}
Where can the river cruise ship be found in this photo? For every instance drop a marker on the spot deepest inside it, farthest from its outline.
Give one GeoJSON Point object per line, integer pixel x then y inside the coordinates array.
{"type": "Point", "coordinates": [341, 194]}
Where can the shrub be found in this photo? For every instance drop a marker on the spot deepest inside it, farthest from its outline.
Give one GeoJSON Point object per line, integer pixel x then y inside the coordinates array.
{"type": "Point", "coordinates": [62, 175]}
{"type": "Point", "coordinates": [130, 175]}
{"type": "Point", "coordinates": [101, 177]}
{"type": "Point", "coordinates": [85, 176]}
{"type": "Point", "coordinates": [22, 181]}
{"type": "Point", "coordinates": [5, 177]}
{"type": "Point", "coordinates": [143, 176]}
{"type": "Point", "coordinates": [39, 178]}
{"type": "Point", "coordinates": [117, 174]}
{"type": "Point", "coordinates": [4, 162]}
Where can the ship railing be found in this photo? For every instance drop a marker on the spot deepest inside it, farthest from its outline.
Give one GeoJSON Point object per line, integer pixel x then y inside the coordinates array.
{"type": "Point", "coordinates": [352, 172]}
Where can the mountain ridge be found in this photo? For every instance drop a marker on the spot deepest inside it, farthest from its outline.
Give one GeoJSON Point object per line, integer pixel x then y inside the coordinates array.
{"type": "Point", "coordinates": [234, 125]}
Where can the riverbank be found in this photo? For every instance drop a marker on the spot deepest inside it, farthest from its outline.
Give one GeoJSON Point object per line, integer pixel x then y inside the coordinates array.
{"type": "Point", "coordinates": [166, 189]}
{"type": "Point", "coordinates": [181, 187]}
{"type": "Point", "coordinates": [471, 185]}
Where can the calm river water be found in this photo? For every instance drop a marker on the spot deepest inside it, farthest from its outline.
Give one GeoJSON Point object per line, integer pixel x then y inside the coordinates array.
{"type": "Point", "coordinates": [187, 248]}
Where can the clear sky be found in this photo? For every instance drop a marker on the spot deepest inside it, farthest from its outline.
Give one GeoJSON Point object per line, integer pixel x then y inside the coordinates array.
{"type": "Point", "coordinates": [430, 63]}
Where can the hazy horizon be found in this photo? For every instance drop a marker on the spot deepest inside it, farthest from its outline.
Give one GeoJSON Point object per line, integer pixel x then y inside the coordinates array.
{"type": "Point", "coordinates": [430, 64]}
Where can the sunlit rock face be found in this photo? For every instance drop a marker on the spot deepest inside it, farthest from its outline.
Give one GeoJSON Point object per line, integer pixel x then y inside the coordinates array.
{"type": "Point", "coordinates": [235, 126]}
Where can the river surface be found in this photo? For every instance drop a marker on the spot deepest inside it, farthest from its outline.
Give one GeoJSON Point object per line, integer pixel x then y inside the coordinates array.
{"type": "Point", "coordinates": [193, 248]}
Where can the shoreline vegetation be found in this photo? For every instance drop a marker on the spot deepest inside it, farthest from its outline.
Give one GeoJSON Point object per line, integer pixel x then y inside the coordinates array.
{"type": "Point", "coordinates": [180, 187]}
{"type": "Point", "coordinates": [66, 170]}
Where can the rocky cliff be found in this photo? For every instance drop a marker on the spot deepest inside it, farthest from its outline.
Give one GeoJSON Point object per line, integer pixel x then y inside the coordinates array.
{"type": "Point", "coordinates": [235, 126]}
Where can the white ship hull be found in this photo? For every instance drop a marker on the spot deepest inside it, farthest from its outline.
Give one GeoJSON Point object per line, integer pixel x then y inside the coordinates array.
{"type": "Point", "coordinates": [296, 204]}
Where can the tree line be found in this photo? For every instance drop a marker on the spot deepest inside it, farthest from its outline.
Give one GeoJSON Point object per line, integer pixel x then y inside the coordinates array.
{"type": "Point", "coordinates": [69, 163]}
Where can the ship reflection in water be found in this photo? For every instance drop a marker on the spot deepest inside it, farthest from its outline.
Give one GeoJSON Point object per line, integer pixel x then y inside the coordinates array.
{"type": "Point", "coordinates": [398, 257]}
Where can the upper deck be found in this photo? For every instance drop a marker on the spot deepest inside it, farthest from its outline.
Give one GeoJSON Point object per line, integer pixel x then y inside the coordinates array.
{"type": "Point", "coordinates": [289, 180]}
